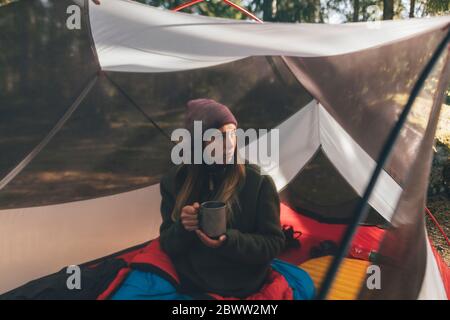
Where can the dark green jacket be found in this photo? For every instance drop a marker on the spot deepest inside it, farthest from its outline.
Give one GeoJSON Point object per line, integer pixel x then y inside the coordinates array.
{"type": "Point", "coordinates": [254, 237]}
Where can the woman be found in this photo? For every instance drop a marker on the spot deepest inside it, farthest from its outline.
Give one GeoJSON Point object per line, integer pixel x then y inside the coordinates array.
{"type": "Point", "coordinates": [238, 262]}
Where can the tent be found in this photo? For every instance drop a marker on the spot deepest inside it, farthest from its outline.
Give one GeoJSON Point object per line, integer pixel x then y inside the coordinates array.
{"type": "Point", "coordinates": [86, 117]}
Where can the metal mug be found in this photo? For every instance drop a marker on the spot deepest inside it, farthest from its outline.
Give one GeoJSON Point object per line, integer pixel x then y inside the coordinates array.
{"type": "Point", "coordinates": [213, 218]}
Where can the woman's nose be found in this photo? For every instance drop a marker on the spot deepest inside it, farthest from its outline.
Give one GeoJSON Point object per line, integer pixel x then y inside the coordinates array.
{"type": "Point", "coordinates": [230, 139]}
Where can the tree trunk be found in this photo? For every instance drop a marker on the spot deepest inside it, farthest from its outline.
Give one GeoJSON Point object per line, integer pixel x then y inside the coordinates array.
{"type": "Point", "coordinates": [412, 8]}
{"type": "Point", "coordinates": [355, 10]}
{"type": "Point", "coordinates": [267, 10]}
{"type": "Point", "coordinates": [388, 9]}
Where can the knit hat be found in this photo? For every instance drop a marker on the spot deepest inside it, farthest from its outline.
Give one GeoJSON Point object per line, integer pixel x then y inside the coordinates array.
{"type": "Point", "coordinates": [211, 113]}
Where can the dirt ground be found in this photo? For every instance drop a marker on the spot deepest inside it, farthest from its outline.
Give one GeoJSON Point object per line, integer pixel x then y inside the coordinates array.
{"type": "Point", "coordinates": [439, 189]}
{"type": "Point", "coordinates": [440, 207]}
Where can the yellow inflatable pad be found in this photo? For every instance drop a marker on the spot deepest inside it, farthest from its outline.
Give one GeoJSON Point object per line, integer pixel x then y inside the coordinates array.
{"type": "Point", "coordinates": [348, 281]}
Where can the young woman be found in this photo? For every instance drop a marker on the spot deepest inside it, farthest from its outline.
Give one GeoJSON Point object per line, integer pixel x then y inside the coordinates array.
{"type": "Point", "coordinates": [237, 263]}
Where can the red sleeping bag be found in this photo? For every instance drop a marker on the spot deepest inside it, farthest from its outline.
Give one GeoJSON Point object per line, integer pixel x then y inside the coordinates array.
{"type": "Point", "coordinates": [155, 259]}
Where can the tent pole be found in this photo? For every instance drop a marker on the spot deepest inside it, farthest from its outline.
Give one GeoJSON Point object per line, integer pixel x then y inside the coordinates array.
{"type": "Point", "coordinates": [228, 2]}
{"type": "Point", "coordinates": [248, 13]}
{"type": "Point", "coordinates": [363, 208]}
{"type": "Point", "coordinates": [186, 5]}
{"type": "Point", "coordinates": [37, 149]}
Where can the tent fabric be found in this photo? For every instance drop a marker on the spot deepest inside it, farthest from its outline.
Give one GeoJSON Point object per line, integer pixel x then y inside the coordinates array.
{"type": "Point", "coordinates": [373, 88]}
{"type": "Point", "coordinates": [77, 225]}
{"type": "Point", "coordinates": [127, 141]}
{"type": "Point", "coordinates": [300, 134]}
{"type": "Point", "coordinates": [444, 271]}
{"type": "Point", "coordinates": [39, 51]}
{"type": "Point", "coordinates": [313, 127]}
{"type": "Point", "coordinates": [436, 282]}
{"type": "Point", "coordinates": [335, 92]}
{"type": "Point", "coordinates": [131, 37]}
{"type": "Point", "coordinates": [355, 165]}
{"type": "Point", "coordinates": [320, 192]}
{"type": "Point", "coordinates": [410, 253]}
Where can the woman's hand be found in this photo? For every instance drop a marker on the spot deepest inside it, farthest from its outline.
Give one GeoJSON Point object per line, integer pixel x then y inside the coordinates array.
{"type": "Point", "coordinates": [189, 217]}
{"type": "Point", "coordinates": [207, 241]}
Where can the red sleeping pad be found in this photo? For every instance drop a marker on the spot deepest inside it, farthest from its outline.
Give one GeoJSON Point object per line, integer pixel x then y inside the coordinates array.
{"type": "Point", "coordinates": [313, 233]}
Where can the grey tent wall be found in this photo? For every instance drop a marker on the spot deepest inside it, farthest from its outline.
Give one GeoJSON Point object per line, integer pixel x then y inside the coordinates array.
{"type": "Point", "coordinates": [402, 255]}
{"type": "Point", "coordinates": [41, 74]}
{"type": "Point", "coordinates": [372, 90]}
{"type": "Point", "coordinates": [22, 164]}
{"type": "Point", "coordinates": [410, 287]}
{"type": "Point", "coordinates": [50, 93]}
{"type": "Point", "coordinates": [314, 73]}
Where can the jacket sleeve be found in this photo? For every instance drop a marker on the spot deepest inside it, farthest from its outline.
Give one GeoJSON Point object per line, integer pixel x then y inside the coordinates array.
{"type": "Point", "coordinates": [268, 240]}
{"type": "Point", "coordinates": [174, 239]}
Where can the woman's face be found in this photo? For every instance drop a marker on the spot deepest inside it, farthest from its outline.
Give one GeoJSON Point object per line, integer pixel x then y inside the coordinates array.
{"type": "Point", "coordinates": [229, 141]}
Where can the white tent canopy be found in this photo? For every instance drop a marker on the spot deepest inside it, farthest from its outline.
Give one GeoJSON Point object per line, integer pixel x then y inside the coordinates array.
{"type": "Point", "coordinates": [132, 37]}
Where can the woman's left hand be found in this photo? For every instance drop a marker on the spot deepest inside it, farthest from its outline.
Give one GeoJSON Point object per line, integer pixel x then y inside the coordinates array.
{"type": "Point", "coordinates": [207, 241]}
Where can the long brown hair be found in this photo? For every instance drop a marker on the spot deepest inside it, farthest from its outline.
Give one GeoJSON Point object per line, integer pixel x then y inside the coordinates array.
{"type": "Point", "coordinates": [234, 174]}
